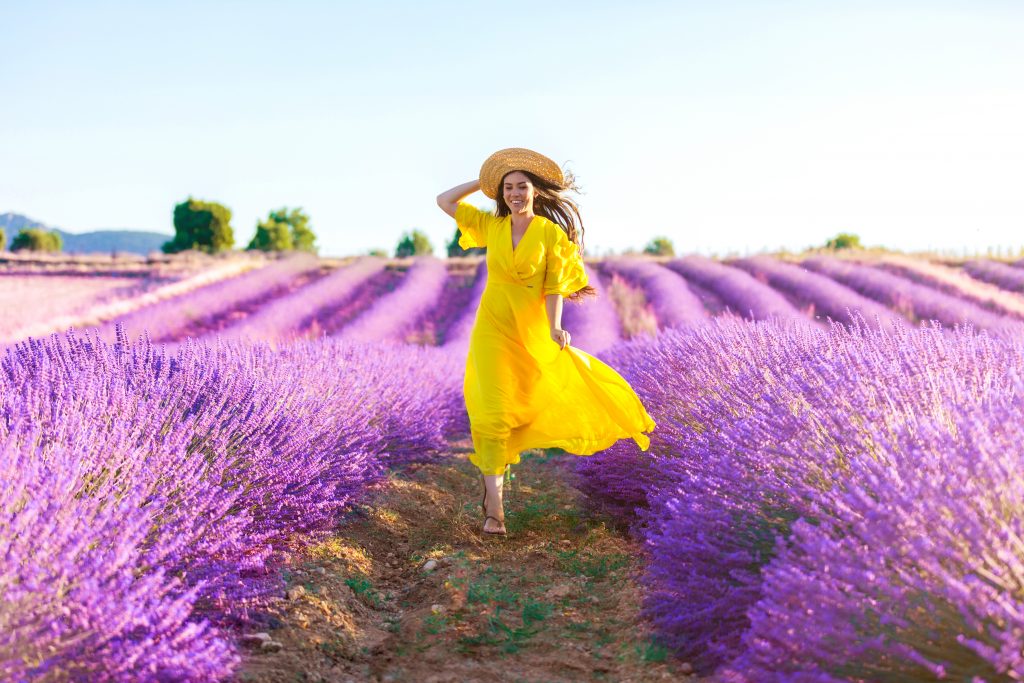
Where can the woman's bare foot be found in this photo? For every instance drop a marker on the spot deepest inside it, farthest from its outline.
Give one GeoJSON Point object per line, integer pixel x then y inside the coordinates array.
{"type": "Point", "coordinates": [494, 512]}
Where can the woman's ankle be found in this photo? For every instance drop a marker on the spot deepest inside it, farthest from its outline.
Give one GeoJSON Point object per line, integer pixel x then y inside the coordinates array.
{"type": "Point", "coordinates": [495, 499]}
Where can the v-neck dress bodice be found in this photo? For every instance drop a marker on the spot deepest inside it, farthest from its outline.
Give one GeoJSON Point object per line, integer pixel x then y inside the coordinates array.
{"type": "Point", "coordinates": [525, 232]}
{"type": "Point", "coordinates": [522, 390]}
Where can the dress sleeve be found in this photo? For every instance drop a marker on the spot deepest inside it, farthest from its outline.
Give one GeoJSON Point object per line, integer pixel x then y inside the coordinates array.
{"type": "Point", "coordinates": [565, 274]}
{"type": "Point", "coordinates": [473, 223]}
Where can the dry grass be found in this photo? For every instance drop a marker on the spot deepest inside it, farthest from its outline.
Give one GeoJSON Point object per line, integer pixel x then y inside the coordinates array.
{"type": "Point", "coordinates": [635, 314]}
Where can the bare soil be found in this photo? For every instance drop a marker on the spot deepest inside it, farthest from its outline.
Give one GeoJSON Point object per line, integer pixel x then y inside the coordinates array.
{"type": "Point", "coordinates": [410, 589]}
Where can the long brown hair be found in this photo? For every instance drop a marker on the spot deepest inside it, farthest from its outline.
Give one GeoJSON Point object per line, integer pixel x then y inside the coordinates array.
{"type": "Point", "coordinates": [552, 202]}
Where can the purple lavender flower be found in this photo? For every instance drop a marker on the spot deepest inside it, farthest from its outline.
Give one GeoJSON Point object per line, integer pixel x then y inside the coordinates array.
{"type": "Point", "coordinates": [209, 307]}
{"type": "Point", "coordinates": [852, 483]}
{"type": "Point", "coordinates": [952, 281]}
{"type": "Point", "coordinates": [918, 302]}
{"type": "Point", "coordinates": [458, 334]}
{"type": "Point", "coordinates": [825, 296]}
{"type": "Point", "coordinates": [1000, 274]}
{"type": "Point", "coordinates": [288, 316]}
{"type": "Point", "coordinates": [393, 314]}
{"type": "Point", "coordinates": [741, 292]}
{"type": "Point", "coordinates": [148, 499]}
{"type": "Point", "coordinates": [673, 302]}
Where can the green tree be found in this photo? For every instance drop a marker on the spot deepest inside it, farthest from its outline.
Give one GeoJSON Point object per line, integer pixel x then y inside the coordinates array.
{"type": "Point", "coordinates": [272, 235]}
{"type": "Point", "coordinates": [413, 244]}
{"type": "Point", "coordinates": [302, 234]}
{"type": "Point", "coordinates": [296, 222]}
{"type": "Point", "coordinates": [455, 251]}
{"type": "Point", "coordinates": [844, 240]}
{"type": "Point", "coordinates": [201, 225]}
{"type": "Point", "coordinates": [377, 252]}
{"type": "Point", "coordinates": [660, 246]}
{"type": "Point", "coordinates": [3, 240]}
{"type": "Point", "coordinates": [37, 239]}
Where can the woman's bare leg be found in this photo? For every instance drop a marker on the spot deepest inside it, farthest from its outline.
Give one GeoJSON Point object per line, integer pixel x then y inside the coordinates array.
{"type": "Point", "coordinates": [495, 504]}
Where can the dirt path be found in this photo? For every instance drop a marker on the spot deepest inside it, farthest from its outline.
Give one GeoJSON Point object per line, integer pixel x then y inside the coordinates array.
{"type": "Point", "coordinates": [411, 590]}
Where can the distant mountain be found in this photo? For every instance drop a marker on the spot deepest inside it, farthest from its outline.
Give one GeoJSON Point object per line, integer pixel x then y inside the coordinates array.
{"type": "Point", "coordinates": [97, 241]}
{"type": "Point", "coordinates": [127, 241]}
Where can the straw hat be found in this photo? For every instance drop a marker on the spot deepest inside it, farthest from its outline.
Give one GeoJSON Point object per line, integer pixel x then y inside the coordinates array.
{"type": "Point", "coordinates": [516, 159]}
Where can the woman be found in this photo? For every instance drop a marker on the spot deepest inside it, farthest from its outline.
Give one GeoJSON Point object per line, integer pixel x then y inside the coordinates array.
{"type": "Point", "coordinates": [525, 386]}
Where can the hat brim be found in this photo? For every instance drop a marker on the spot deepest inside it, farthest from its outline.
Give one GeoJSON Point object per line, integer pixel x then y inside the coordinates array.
{"type": "Point", "coordinates": [504, 161]}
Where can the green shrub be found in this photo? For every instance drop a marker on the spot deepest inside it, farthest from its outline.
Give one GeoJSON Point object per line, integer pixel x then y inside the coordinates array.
{"type": "Point", "coordinates": [284, 230]}
{"type": "Point", "coordinates": [413, 244]}
{"type": "Point", "coordinates": [204, 226]}
{"type": "Point", "coordinates": [37, 239]}
{"type": "Point", "coordinates": [660, 246]}
{"type": "Point", "coordinates": [844, 240]}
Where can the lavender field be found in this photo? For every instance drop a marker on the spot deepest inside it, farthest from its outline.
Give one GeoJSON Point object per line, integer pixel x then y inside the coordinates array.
{"type": "Point", "coordinates": [832, 492]}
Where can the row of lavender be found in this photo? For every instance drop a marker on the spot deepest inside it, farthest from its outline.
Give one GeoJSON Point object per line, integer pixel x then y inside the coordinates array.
{"type": "Point", "coordinates": [682, 292]}
{"type": "Point", "coordinates": [292, 299]}
{"type": "Point", "coordinates": [94, 436]}
{"type": "Point", "coordinates": [365, 299]}
{"type": "Point", "coordinates": [148, 498]}
{"type": "Point", "coordinates": [828, 504]}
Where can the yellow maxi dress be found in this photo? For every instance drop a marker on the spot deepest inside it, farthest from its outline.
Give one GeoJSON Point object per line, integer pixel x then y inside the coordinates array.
{"type": "Point", "coordinates": [522, 389]}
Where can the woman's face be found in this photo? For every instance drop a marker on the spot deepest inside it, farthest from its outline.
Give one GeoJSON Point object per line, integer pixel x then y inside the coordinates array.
{"type": "Point", "coordinates": [517, 190]}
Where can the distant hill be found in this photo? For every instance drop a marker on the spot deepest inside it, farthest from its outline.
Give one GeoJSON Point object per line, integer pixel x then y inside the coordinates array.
{"type": "Point", "coordinates": [97, 241]}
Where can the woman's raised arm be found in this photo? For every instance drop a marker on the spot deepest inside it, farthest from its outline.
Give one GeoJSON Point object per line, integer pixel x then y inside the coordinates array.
{"type": "Point", "coordinates": [449, 199]}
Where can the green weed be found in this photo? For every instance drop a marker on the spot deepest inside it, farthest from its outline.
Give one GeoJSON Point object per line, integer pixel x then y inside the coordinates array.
{"type": "Point", "coordinates": [364, 590]}
{"type": "Point", "coordinates": [591, 565]}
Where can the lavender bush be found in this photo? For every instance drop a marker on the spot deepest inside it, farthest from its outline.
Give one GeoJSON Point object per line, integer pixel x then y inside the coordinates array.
{"type": "Point", "coordinates": [826, 296]}
{"type": "Point", "coordinates": [913, 572]}
{"type": "Point", "coordinates": [458, 334]}
{"type": "Point", "coordinates": [1000, 274]}
{"type": "Point", "coordinates": [672, 301]}
{"type": "Point", "coordinates": [741, 292]}
{"type": "Point", "coordinates": [45, 317]}
{"type": "Point", "coordinates": [286, 317]}
{"type": "Point", "coordinates": [148, 498]}
{"type": "Point", "coordinates": [818, 507]}
{"type": "Point", "coordinates": [918, 302]}
{"type": "Point", "coordinates": [953, 281]}
{"type": "Point", "coordinates": [170, 319]}
{"type": "Point", "coordinates": [393, 314]}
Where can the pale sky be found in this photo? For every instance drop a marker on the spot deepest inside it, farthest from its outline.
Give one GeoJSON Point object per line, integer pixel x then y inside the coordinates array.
{"type": "Point", "coordinates": [726, 126]}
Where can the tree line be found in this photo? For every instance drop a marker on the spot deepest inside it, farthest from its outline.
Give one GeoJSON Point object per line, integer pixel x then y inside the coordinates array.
{"type": "Point", "coordinates": [415, 243]}
{"type": "Point", "coordinates": [206, 226]}
{"type": "Point", "coordinates": [33, 239]}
